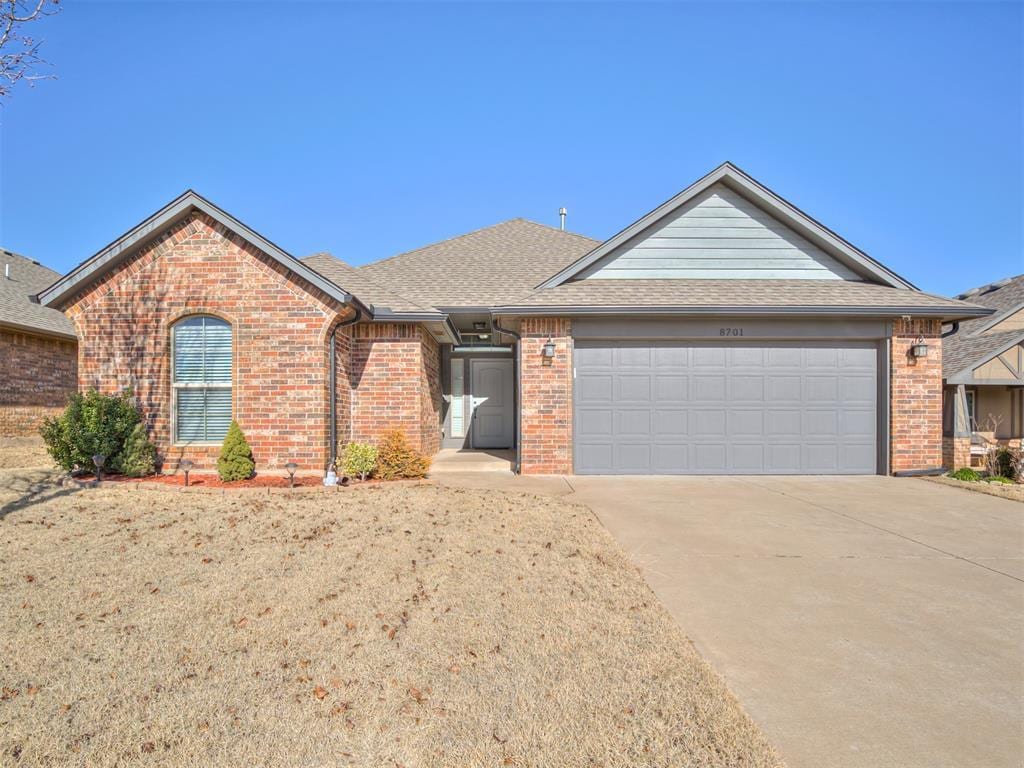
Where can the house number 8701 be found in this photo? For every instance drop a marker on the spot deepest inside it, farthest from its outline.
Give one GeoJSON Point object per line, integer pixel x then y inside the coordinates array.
{"type": "Point", "coordinates": [730, 331]}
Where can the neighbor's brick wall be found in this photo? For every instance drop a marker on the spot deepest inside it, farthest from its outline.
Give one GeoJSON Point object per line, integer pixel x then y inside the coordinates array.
{"type": "Point", "coordinates": [342, 387]}
{"type": "Point", "coordinates": [279, 324]}
{"type": "Point", "coordinates": [546, 397]}
{"type": "Point", "coordinates": [916, 397]}
{"type": "Point", "coordinates": [394, 376]}
{"type": "Point", "coordinates": [37, 373]}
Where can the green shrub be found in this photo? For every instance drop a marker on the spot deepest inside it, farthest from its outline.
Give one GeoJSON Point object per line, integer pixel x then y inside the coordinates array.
{"type": "Point", "coordinates": [91, 423]}
{"type": "Point", "coordinates": [965, 473]}
{"type": "Point", "coordinates": [235, 462]}
{"type": "Point", "coordinates": [359, 459]}
{"type": "Point", "coordinates": [138, 458]}
{"type": "Point", "coordinates": [1001, 462]}
{"type": "Point", "coordinates": [396, 459]}
{"type": "Point", "coordinates": [998, 479]}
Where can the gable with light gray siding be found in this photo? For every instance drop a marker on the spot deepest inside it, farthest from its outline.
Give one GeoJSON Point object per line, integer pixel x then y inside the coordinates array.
{"type": "Point", "coordinates": [720, 235]}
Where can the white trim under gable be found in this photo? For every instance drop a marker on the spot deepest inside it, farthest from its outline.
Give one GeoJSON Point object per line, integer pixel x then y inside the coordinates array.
{"type": "Point", "coordinates": [857, 262]}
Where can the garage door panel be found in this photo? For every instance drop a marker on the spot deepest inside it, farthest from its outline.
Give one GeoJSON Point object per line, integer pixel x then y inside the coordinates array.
{"type": "Point", "coordinates": [708, 388]}
{"type": "Point", "coordinates": [739, 407]}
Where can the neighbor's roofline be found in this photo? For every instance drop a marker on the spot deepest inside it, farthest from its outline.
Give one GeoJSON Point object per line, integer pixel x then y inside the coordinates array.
{"type": "Point", "coordinates": [36, 330]}
{"type": "Point", "coordinates": [111, 256]}
{"type": "Point", "coordinates": [963, 376]}
{"type": "Point", "coordinates": [731, 174]}
{"type": "Point", "coordinates": [1002, 315]}
{"type": "Point", "coordinates": [945, 313]}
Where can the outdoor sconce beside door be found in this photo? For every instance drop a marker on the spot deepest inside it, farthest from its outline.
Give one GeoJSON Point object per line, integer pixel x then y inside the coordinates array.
{"type": "Point", "coordinates": [919, 348]}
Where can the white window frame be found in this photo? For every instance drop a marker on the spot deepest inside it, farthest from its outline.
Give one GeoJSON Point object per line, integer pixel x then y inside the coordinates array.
{"type": "Point", "coordinates": [972, 424]}
{"type": "Point", "coordinates": [175, 386]}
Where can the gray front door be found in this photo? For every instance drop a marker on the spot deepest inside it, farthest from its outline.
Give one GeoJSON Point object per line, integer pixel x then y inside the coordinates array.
{"type": "Point", "coordinates": [666, 407]}
{"type": "Point", "coordinates": [493, 417]}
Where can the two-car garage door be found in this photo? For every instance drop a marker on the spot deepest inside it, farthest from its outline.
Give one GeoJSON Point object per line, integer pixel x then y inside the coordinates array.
{"type": "Point", "coordinates": [667, 407]}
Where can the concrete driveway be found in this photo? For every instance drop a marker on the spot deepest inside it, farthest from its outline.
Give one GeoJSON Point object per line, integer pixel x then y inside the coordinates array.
{"type": "Point", "coordinates": [864, 621]}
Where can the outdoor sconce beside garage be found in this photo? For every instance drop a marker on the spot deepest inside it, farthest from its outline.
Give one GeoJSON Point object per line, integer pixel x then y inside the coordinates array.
{"type": "Point", "coordinates": [548, 352]}
{"type": "Point", "coordinates": [919, 348]}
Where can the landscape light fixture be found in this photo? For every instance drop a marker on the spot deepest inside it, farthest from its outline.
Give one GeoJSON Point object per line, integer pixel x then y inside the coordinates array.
{"type": "Point", "coordinates": [97, 460]}
{"type": "Point", "coordinates": [919, 348]}
{"type": "Point", "coordinates": [291, 466]}
{"type": "Point", "coordinates": [185, 465]}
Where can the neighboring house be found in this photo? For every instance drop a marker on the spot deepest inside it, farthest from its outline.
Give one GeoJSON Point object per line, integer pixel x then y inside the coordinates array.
{"type": "Point", "coordinates": [983, 373]}
{"type": "Point", "coordinates": [724, 332]}
{"type": "Point", "coordinates": [38, 356]}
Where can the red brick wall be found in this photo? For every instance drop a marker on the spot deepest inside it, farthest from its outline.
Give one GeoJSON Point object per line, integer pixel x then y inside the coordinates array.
{"type": "Point", "coordinates": [546, 397]}
{"type": "Point", "coordinates": [342, 387]}
{"type": "Point", "coordinates": [916, 397]}
{"type": "Point", "coordinates": [36, 375]}
{"type": "Point", "coordinates": [394, 376]}
{"type": "Point", "coordinates": [280, 333]}
{"type": "Point", "coordinates": [956, 452]}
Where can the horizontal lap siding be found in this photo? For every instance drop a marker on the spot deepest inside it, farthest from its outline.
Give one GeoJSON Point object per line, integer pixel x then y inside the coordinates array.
{"type": "Point", "coordinates": [719, 235]}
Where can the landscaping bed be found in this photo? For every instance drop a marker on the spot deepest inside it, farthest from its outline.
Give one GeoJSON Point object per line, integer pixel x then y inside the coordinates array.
{"type": "Point", "coordinates": [389, 625]}
{"type": "Point", "coordinates": [1013, 491]}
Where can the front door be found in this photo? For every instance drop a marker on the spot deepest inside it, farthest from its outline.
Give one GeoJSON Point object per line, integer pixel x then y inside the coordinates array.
{"type": "Point", "coordinates": [493, 418]}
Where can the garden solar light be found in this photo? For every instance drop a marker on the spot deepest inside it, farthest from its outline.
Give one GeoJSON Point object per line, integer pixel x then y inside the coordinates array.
{"type": "Point", "coordinates": [98, 459]}
{"type": "Point", "coordinates": [185, 465]}
{"type": "Point", "coordinates": [291, 466]}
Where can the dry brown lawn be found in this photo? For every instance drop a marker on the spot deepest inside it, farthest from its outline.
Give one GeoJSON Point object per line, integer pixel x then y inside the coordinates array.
{"type": "Point", "coordinates": [401, 625]}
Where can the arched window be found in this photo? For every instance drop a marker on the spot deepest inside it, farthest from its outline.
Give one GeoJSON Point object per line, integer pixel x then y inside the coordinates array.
{"type": "Point", "coordinates": [201, 379]}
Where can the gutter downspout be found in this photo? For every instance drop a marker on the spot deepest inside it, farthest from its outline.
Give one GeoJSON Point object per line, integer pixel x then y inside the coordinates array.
{"type": "Point", "coordinates": [952, 329]}
{"type": "Point", "coordinates": [333, 377]}
{"type": "Point", "coordinates": [519, 390]}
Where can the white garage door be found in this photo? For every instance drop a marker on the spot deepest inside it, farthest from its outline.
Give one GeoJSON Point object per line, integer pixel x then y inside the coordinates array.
{"type": "Point", "coordinates": [665, 407]}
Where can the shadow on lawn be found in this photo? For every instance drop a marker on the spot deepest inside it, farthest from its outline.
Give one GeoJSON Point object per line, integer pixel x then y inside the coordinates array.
{"type": "Point", "coordinates": [25, 488]}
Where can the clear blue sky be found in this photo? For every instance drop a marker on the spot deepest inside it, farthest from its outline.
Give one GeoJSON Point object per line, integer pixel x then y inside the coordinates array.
{"type": "Point", "coordinates": [367, 130]}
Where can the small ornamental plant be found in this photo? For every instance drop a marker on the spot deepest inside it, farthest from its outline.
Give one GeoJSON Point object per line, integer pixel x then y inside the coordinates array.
{"type": "Point", "coordinates": [359, 459]}
{"type": "Point", "coordinates": [397, 460]}
{"type": "Point", "coordinates": [235, 462]}
{"type": "Point", "coordinates": [965, 473]}
{"type": "Point", "coordinates": [139, 455]}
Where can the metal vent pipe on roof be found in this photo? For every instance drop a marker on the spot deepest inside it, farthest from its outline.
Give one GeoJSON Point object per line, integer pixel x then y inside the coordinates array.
{"type": "Point", "coordinates": [562, 213]}
{"type": "Point", "coordinates": [7, 271]}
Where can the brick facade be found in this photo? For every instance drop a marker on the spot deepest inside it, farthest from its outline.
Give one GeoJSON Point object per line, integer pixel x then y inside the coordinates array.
{"type": "Point", "coordinates": [546, 408]}
{"type": "Point", "coordinates": [915, 397]}
{"type": "Point", "coordinates": [956, 452]}
{"type": "Point", "coordinates": [395, 381]}
{"type": "Point", "coordinates": [38, 373]}
{"type": "Point", "coordinates": [280, 330]}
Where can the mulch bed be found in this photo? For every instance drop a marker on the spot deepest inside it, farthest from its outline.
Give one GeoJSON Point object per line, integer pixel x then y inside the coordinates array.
{"type": "Point", "coordinates": [203, 480]}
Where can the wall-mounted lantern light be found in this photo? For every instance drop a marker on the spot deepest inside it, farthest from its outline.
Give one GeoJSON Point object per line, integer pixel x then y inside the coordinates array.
{"type": "Point", "coordinates": [919, 348]}
{"type": "Point", "coordinates": [548, 350]}
{"type": "Point", "coordinates": [291, 466]}
{"type": "Point", "coordinates": [185, 466]}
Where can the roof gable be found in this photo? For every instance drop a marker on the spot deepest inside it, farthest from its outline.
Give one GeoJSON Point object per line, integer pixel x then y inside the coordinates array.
{"type": "Point", "coordinates": [23, 278]}
{"type": "Point", "coordinates": [112, 256]}
{"type": "Point", "coordinates": [720, 235]}
{"type": "Point", "coordinates": [759, 201]}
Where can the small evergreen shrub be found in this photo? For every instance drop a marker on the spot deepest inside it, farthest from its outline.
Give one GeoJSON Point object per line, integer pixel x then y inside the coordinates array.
{"type": "Point", "coordinates": [396, 459]}
{"type": "Point", "coordinates": [965, 473]}
{"type": "Point", "coordinates": [359, 459]}
{"type": "Point", "coordinates": [138, 458]}
{"type": "Point", "coordinates": [91, 423]}
{"type": "Point", "coordinates": [235, 462]}
{"type": "Point", "coordinates": [1001, 462]}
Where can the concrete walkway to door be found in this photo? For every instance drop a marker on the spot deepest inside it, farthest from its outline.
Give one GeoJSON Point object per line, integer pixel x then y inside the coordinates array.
{"type": "Point", "coordinates": [862, 621]}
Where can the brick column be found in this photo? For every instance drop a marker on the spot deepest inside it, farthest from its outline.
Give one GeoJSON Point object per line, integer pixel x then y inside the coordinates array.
{"type": "Point", "coordinates": [546, 397]}
{"type": "Point", "coordinates": [915, 432]}
{"type": "Point", "coordinates": [956, 452]}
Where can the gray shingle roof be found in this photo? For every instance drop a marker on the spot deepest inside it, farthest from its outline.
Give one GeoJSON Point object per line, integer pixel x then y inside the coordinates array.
{"type": "Point", "coordinates": [28, 278]}
{"type": "Point", "coordinates": [482, 268]}
{"type": "Point", "coordinates": [359, 284]}
{"type": "Point", "coordinates": [970, 346]}
{"type": "Point", "coordinates": [825, 295]}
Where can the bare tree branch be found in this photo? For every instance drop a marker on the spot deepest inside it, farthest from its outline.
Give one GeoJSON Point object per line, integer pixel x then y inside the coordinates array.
{"type": "Point", "coordinates": [19, 52]}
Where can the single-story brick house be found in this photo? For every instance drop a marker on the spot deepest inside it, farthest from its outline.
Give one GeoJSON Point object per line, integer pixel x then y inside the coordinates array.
{"type": "Point", "coordinates": [38, 355]}
{"type": "Point", "coordinates": [983, 373]}
{"type": "Point", "coordinates": [723, 332]}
